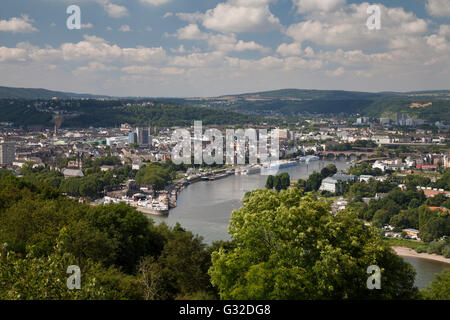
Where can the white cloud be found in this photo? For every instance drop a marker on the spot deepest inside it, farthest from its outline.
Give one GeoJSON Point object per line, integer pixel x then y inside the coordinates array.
{"type": "Point", "coordinates": [144, 55]}
{"type": "Point", "coordinates": [407, 53]}
{"type": "Point", "coordinates": [220, 42]}
{"type": "Point", "coordinates": [236, 16]}
{"type": "Point", "coordinates": [444, 30]}
{"type": "Point", "coordinates": [304, 6]}
{"type": "Point", "coordinates": [191, 32]}
{"type": "Point", "coordinates": [347, 28]}
{"type": "Point", "coordinates": [250, 45]}
{"type": "Point", "coordinates": [115, 10]}
{"type": "Point", "coordinates": [12, 54]}
{"type": "Point", "coordinates": [336, 73]}
{"type": "Point", "coordinates": [180, 49]}
{"type": "Point", "coordinates": [93, 67]}
{"type": "Point", "coordinates": [17, 25]}
{"type": "Point", "coordinates": [93, 48]}
{"type": "Point", "coordinates": [292, 49]}
{"type": "Point", "coordinates": [125, 28]}
{"type": "Point", "coordinates": [199, 60]}
{"type": "Point", "coordinates": [87, 26]}
{"type": "Point", "coordinates": [440, 43]}
{"type": "Point", "coordinates": [438, 8]}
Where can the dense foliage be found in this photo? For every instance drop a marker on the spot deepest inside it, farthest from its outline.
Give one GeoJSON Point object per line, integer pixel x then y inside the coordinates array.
{"type": "Point", "coordinates": [45, 233]}
{"type": "Point", "coordinates": [280, 182]}
{"type": "Point", "coordinates": [111, 113]}
{"type": "Point", "coordinates": [291, 247]}
{"type": "Point", "coordinates": [439, 289]}
{"type": "Point", "coordinates": [284, 246]}
{"type": "Point", "coordinates": [155, 174]}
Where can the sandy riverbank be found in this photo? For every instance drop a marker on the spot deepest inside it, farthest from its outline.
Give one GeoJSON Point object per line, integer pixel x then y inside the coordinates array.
{"type": "Point", "coordinates": [407, 252]}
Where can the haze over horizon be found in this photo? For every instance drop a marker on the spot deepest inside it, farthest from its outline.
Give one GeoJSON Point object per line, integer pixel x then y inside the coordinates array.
{"type": "Point", "coordinates": [171, 48]}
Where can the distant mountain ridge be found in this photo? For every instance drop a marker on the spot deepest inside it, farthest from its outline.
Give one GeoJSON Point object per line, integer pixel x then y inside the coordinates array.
{"type": "Point", "coordinates": [336, 94]}
{"type": "Point", "coordinates": [428, 105]}
{"type": "Point", "coordinates": [307, 94]}
{"type": "Point", "coordinates": [36, 93]}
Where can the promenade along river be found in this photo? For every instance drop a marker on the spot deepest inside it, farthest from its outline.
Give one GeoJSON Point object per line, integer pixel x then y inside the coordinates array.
{"type": "Point", "coordinates": [205, 209]}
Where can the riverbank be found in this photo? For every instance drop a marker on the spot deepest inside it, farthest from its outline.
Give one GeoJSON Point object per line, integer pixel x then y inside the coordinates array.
{"type": "Point", "coordinates": [407, 252]}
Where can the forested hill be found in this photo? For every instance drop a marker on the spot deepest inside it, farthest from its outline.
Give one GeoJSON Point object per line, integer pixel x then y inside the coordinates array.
{"type": "Point", "coordinates": [428, 105]}
{"type": "Point", "coordinates": [111, 113]}
{"type": "Point", "coordinates": [339, 94]}
{"type": "Point", "coordinates": [27, 93]}
{"type": "Point", "coordinates": [304, 94]}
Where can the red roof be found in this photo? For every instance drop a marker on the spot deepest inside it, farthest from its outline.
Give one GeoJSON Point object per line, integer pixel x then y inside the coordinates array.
{"type": "Point", "coordinates": [438, 208]}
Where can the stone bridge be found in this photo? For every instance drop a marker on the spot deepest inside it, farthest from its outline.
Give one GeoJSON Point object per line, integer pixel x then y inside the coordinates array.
{"type": "Point", "coordinates": [359, 155]}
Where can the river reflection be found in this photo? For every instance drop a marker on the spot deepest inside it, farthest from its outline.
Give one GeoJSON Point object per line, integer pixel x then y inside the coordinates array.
{"type": "Point", "coordinates": [426, 270]}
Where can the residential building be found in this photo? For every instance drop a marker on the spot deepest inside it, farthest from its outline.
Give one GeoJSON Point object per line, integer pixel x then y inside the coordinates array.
{"type": "Point", "coordinates": [334, 184]}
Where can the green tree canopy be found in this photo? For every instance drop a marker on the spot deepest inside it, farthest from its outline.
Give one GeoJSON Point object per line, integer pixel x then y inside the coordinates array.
{"type": "Point", "coordinates": [154, 174]}
{"type": "Point", "coordinates": [439, 289]}
{"type": "Point", "coordinates": [291, 247]}
{"type": "Point", "coordinates": [269, 182]}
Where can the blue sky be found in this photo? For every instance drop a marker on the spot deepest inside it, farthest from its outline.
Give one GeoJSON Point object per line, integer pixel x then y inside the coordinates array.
{"type": "Point", "coordinates": [211, 47]}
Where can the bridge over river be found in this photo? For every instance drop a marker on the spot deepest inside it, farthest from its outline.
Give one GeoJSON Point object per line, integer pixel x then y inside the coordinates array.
{"type": "Point", "coordinates": [359, 155]}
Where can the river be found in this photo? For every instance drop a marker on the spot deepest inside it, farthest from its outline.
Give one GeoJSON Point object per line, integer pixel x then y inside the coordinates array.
{"type": "Point", "coordinates": [205, 209]}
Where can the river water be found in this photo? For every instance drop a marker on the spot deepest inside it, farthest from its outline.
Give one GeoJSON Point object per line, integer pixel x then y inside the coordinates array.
{"type": "Point", "coordinates": [205, 209]}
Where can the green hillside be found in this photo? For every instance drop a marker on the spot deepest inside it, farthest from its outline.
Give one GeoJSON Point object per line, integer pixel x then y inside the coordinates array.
{"type": "Point", "coordinates": [111, 113]}
{"type": "Point", "coordinates": [27, 93]}
{"type": "Point", "coordinates": [284, 103]}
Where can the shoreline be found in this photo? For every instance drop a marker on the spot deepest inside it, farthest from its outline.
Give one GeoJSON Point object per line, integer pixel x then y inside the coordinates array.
{"type": "Point", "coordinates": [408, 252]}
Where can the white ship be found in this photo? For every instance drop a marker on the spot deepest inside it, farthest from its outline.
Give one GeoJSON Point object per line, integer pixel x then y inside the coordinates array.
{"type": "Point", "coordinates": [307, 159]}
{"type": "Point", "coordinates": [157, 207]}
{"type": "Point", "coordinates": [277, 165]}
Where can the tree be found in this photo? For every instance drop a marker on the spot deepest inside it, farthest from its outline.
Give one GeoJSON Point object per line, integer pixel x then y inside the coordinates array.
{"type": "Point", "coordinates": [328, 171]}
{"type": "Point", "coordinates": [381, 218]}
{"type": "Point", "coordinates": [35, 277]}
{"type": "Point", "coordinates": [182, 267]}
{"type": "Point", "coordinates": [133, 233]}
{"type": "Point", "coordinates": [439, 289]}
{"type": "Point", "coordinates": [150, 278]}
{"type": "Point", "coordinates": [405, 219]}
{"type": "Point", "coordinates": [285, 180]}
{"type": "Point", "coordinates": [154, 174]}
{"type": "Point", "coordinates": [287, 246]}
{"type": "Point", "coordinates": [277, 183]}
{"type": "Point", "coordinates": [301, 184]}
{"type": "Point", "coordinates": [314, 181]}
{"type": "Point", "coordinates": [269, 182]}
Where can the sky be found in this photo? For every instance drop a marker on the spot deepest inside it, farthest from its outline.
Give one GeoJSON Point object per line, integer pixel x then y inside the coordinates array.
{"type": "Point", "coordinates": [193, 48]}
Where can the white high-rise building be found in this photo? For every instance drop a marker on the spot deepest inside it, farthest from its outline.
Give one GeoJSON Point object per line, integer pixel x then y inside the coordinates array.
{"type": "Point", "coordinates": [7, 152]}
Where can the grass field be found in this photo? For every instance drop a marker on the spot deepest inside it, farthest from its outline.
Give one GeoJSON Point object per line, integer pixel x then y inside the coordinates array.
{"type": "Point", "coordinates": [405, 243]}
